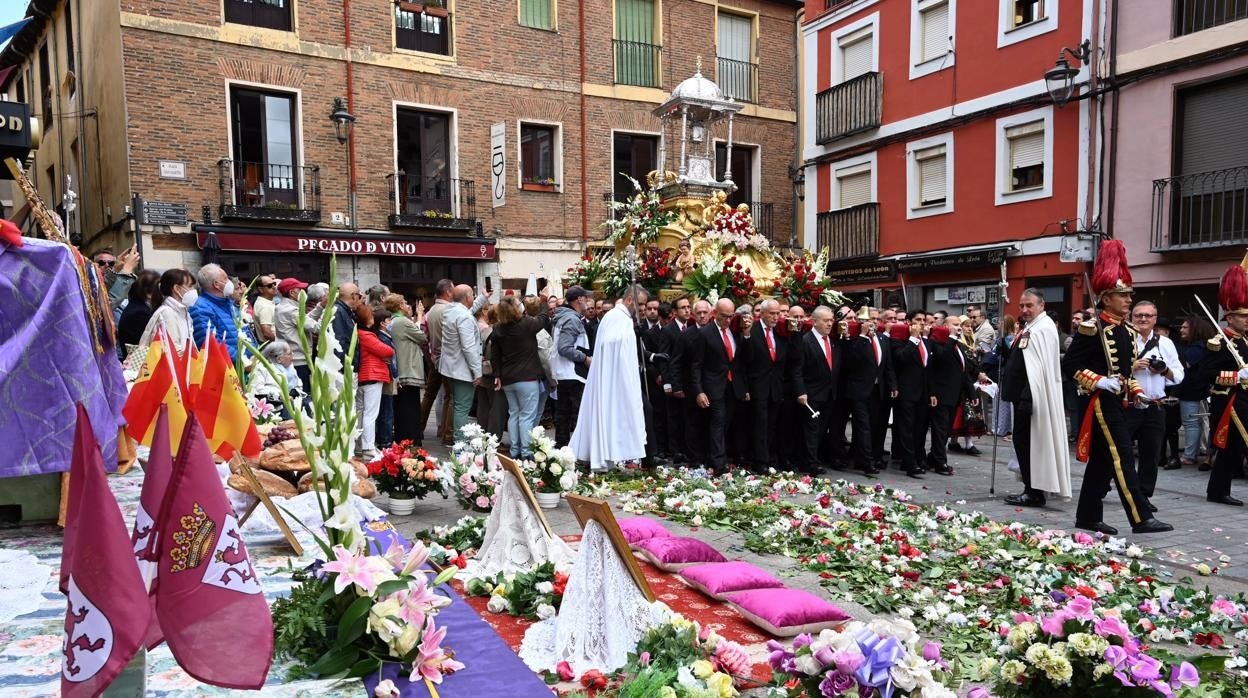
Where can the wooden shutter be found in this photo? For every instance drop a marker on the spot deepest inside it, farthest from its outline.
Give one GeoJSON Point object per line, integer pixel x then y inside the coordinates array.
{"type": "Point", "coordinates": [935, 23]}
{"type": "Point", "coordinates": [856, 52]}
{"type": "Point", "coordinates": [931, 165]}
{"type": "Point", "coordinates": [1215, 119]}
{"type": "Point", "coordinates": [536, 13]}
{"type": "Point", "coordinates": [1026, 144]}
{"type": "Point", "coordinates": [855, 188]}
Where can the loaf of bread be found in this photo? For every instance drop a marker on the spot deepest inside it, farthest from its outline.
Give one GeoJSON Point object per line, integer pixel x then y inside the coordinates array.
{"type": "Point", "coordinates": [273, 485]}
{"type": "Point", "coordinates": [285, 457]}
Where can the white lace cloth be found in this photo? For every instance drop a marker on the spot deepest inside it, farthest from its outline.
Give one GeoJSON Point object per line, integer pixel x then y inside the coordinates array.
{"type": "Point", "coordinates": [22, 580]}
{"type": "Point", "coordinates": [602, 618]}
{"type": "Point", "coordinates": [261, 527]}
{"type": "Point", "coordinates": [515, 540]}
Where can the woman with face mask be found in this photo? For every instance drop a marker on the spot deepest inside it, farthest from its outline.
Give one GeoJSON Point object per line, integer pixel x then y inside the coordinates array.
{"type": "Point", "coordinates": [175, 293]}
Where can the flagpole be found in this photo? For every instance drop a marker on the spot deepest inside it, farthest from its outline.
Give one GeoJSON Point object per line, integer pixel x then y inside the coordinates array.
{"type": "Point", "coordinates": [1003, 303]}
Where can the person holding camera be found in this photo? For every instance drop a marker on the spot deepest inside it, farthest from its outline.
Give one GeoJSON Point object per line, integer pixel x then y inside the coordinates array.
{"type": "Point", "coordinates": [1156, 367]}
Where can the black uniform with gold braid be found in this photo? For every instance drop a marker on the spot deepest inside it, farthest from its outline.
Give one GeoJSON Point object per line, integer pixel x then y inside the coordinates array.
{"type": "Point", "coordinates": [1104, 347]}
{"type": "Point", "coordinates": [1104, 439]}
{"type": "Point", "coordinates": [1228, 402]}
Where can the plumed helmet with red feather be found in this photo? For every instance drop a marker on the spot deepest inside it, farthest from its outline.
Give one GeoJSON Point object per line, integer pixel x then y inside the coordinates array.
{"type": "Point", "coordinates": [1233, 291]}
{"type": "Point", "coordinates": [1111, 274]}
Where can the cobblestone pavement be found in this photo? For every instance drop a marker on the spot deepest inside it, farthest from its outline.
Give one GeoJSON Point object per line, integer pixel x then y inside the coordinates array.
{"type": "Point", "coordinates": [1204, 532]}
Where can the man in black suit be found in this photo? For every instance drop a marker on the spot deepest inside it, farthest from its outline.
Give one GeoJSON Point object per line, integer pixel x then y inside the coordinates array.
{"type": "Point", "coordinates": [910, 360]}
{"type": "Point", "coordinates": [671, 375]}
{"type": "Point", "coordinates": [720, 381]}
{"type": "Point", "coordinates": [815, 382]}
{"type": "Point", "coordinates": [950, 385]}
{"type": "Point", "coordinates": [867, 374]}
{"type": "Point", "coordinates": [657, 350]}
{"type": "Point", "coordinates": [770, 368]}
{"type": "Point", "coordinates": [883, 393]}
{"type": "Point", "coordinates": [695, 424]}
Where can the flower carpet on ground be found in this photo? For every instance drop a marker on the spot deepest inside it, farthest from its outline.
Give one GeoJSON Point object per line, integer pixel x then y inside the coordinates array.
{"type": "Point", "coordinates": [960, 577]}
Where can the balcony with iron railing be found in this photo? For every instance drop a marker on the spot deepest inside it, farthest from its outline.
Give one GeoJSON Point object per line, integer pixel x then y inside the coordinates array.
{"type": "Point", "coordinates": [850, 233]}
{"type": "Point", "coordinates": [1202, 210]}
{"type": "Point", "coordinates": [637, 63]}
{"type": "Point", "coordinates": [266, 191]}
{"type": "Point", "coordinates": [1191, 16]}
{"type": "Point", "coordinates": [270, 14]}
{"type": "Point", "coordinates": [423, 26]}
{"type": "Point", "coordinates": [848, 108]}
{"type": "Point", "coordinates": [738, 79]}
{"type": "Point", "coordinates": [431, 202]}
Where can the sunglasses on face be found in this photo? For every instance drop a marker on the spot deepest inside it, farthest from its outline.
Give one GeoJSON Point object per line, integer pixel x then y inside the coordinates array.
{"type": "Point", "coordinates": [268, 285]}
{"type": "Point", "coordinates": [105, 262]}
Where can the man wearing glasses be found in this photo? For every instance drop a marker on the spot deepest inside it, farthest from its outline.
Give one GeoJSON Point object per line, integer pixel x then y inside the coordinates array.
{"type": "Point", "coordinates": [1156, 366]}
{"type": "Point", "coordinates": [119, 273]}
{"type": "Point", "coordinates": [264, 310]}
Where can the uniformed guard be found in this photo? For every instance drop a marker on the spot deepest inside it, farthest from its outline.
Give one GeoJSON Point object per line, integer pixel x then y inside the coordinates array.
{"type": "Point", "coordinates": [1100, 359]}
{"type": "Point", "coordinates": [1224, 368]}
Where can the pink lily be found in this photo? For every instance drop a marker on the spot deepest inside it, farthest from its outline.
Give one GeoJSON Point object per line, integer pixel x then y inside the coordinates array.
{"type": "Point", "coordinates": [432, 661]}
{"type": "Point", "coordinates": [352, 569]}
{"type": "Point", "coordinates": [418, 600]}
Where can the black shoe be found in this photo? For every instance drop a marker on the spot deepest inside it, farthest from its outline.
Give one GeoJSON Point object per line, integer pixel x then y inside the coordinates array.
{"type": "Point", "coordinates": [1151, 526]}
{"type": "Point", "coordinates": [868, 470]}
{"type": "Point", "coordinates": [1174, 465]}
{"type": "Point", "coordinates": [1204, 467]}
{"type": "Point", "coordinates": [1152, 507]}
{"type": "Point", "coordinates": [1025, 500]}
{"type": "Point", "coordinates": [880, 465]}
{"type": "Point", "coordinates": [1225, 499]}
{"type": "Point", "coordinates": [916, 473]}
{"type": "Point", "coordinates": [942, 470]}
{"type": "Point", "coordinates": [973, 451]}
{"type": "Point", "coordinates": [1098, 527]}
{"type": "Point", "coordinates": [955, 447]}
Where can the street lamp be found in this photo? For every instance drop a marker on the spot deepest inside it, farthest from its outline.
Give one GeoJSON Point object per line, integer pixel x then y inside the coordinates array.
{"type": "Point", "coordinates": [798, 176]}
{"type": "Point", "coordinates": [1060, 79]}
{"type": "Point", "coordinates": [344, 126]}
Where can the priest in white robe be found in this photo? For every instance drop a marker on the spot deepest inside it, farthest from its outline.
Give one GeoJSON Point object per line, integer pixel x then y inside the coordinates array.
{"type": "Point", "coordinates": [611, 426]}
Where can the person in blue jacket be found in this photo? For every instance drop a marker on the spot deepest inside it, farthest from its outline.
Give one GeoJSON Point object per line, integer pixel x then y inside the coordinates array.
{"type": "Point", "coordinates": [216, 309]}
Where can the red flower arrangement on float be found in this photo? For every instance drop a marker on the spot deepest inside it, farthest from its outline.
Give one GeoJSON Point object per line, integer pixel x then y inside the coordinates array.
{"type": "Point", "coordinates": [656, 269]}
{"type": "Point", "coordinates": [405, 471]}
{"type": "Point", "coordinates": [740, 282]}
{"type": "Point", "coordinates": [799, 285]}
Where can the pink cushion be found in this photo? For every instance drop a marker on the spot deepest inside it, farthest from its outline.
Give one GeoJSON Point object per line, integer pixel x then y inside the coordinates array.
{"type": "Point", "coordinates": [787, 612]}
{"type": "Point", "coordinates": [639, 528]}
{"type": "Point", "coordinates": [672, 553]}
{"type": "Point", "coordinates": [715, 579]}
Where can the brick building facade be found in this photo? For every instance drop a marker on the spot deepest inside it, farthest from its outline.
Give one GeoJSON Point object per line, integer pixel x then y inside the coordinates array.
{"type": "Point", "coordinates": [223, 105]}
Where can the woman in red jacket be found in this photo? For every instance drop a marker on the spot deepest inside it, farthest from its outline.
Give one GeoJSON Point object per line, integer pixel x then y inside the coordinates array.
{"type": "Point", "coordinates": [374, 373]}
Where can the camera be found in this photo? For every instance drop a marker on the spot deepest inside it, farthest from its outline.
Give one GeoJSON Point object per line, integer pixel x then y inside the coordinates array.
{"type": "Point", "coordinates": [1157, 365]}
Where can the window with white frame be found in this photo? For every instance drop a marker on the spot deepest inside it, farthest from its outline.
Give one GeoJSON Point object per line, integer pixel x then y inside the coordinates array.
{"type": "Point", "coordinates": [1025, 156]}
{"type": "Point", "coordinates": [539, 156]}
{"type": "Point", "coordinates": [857, 53]}
{"type": "Point", "coordinates": [934, 30]}
{"type": "Point", "coordinates": [1025, 144]}
{"type": "Point", "coordinates": [929, 176]}
{"type": "Point", "coordinates": [1023, 19]}
{"type": "Point", "coordinates": [853, 185]}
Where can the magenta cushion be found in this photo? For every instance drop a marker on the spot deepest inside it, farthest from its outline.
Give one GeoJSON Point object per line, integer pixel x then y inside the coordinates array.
{"type": "Point", "coordinates": [787, 612]}
{"type": "Point", "coordinates": [672, 553]}
{"type": "Point", "coordinates": [639, 528]}
{"type": "Point", "coordinates": [715, 579]}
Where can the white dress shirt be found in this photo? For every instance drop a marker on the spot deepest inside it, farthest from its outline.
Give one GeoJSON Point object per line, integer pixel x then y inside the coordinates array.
{"type": "Point", "coordinates": [1154, 384]}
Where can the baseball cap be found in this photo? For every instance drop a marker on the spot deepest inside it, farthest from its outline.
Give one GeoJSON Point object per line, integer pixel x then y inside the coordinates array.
{"type": "Point", "coordinates": [284, 286]}
{"type": "Point", "coordinates": [575, 293]}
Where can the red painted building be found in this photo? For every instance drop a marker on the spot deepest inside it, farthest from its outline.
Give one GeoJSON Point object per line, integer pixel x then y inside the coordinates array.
{"type": "Point", "coordinates": [934, 150]}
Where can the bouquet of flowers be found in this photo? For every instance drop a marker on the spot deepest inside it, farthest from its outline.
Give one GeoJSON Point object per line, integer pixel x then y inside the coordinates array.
{"type": "Point", "coordinates": [451, 545]}
{"type": "Point", "coordinates": [639, 217]}
{"type": "Point", "coordinates": [535, 595]}
{"type": "Point", "coordinates": [357, 611]}
{"type": "Point", "coordinates": [584, 273]}
{"type": "Point", "coordinates": [616, 276]}
{"type": "Point", "coordinates": [735, 227]}
{"type": "Point", "coordinates": [681, 658]}
{"type": "Point", "coordinates": [405, 471]}
{"type": "Point", "coordinates": [656, 270]}
{"type": "Point", "coordinates": [803, 282]}
{"type": "Point", "coordinates": [880, 659]}
{"type": "Point", "coordinates": [1080, 650]}
{"type": "Point", "coordinates": [552, 469]}
{"type": "Point", "coordinates": [714, 278]}
{"type": "Point", "coordinates": [474, 468]}
{"type": "Point", "coordinates": [262, 411]}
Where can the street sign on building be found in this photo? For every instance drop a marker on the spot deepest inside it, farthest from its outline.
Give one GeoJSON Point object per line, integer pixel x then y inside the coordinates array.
{"type": "Point", "coordinates": [162, 213]}
{"type": "Point", "coordinates": [16, 138]}
{"type": "Point", "coordinates": [498, 164]}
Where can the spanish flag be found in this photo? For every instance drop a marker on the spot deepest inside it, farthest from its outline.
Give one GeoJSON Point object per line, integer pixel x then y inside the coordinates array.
{"type": "Point", "coordinates": [221, 407]}
{"type": "Point", "coordinates": [159, 383]}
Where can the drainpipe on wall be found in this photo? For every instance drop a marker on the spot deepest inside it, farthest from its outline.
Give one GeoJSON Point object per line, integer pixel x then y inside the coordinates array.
{"type": "Point", "coordinates": [584, 182]}
{"type": "Point", "coordinates": [346, 40]}
{"type": "Point", "coordinates": [798, 208]}
{"type": "Point", "coordinates": [1112, 177]}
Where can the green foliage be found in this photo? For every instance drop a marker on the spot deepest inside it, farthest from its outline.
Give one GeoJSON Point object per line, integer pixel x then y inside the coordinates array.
{"type": "Point", "coordinates": [521, 589]}
{"type": "Point", "coordinates": [300, 632]}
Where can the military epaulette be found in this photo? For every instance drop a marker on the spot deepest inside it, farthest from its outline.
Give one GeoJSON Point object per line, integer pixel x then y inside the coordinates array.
{"type": "Point", "coordinates": [1214, 344]}
{"type": "Point", "coordinates": [1087, 327]}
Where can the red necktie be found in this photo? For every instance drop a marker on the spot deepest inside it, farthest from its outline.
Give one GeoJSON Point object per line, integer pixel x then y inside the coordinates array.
{"type": "Point", "coordinates": [922, 352]}
{"type": "Point", "coordinates": [771, 345]}
{"type": "Point", "coordinates": [728, 348]}
{"type": "Point", "coordinates": [875, 346]}
{"type": "Point", "coordinates": [827, 347]}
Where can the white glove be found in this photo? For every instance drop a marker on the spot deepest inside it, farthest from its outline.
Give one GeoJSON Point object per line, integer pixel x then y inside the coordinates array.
{"type": "Point", "coordinates": [1243, 373]}
{"type": "Point", "coordinates": [1109, 383]}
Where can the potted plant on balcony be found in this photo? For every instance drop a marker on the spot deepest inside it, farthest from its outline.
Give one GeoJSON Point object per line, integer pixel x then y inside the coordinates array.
{"type": "Point", "coordinates": [544, 184]}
